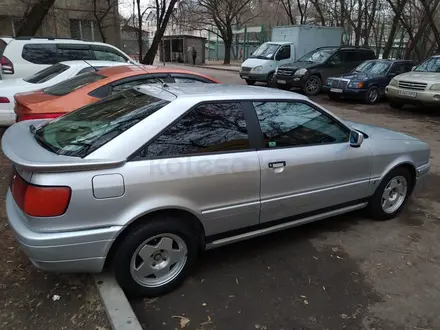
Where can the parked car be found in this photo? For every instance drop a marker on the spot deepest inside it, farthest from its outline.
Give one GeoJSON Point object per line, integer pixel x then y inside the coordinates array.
{"type": "Point", "coordinates": [145, 179]}
{"type": "Point", "coordinates": [44, 78]}
{"type": "Point", "coordinates": [311, 70]}
{"type": "Point", "coordinates": [69, 95]}
{"type": "Point", "coordinates": [418, 87]}
{"type": "Point", "coordinates": [21, 57]}
{"type": "Point", "coordinates": [366, 82]}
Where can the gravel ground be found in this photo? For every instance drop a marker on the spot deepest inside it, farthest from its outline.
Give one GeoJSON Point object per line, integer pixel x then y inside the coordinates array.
{"type": "Point", "coordinates": [29, 297]}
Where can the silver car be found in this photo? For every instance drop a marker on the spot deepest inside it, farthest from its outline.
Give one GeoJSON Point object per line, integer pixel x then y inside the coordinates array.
{"type": "Point", "coordinates": [144, 180]}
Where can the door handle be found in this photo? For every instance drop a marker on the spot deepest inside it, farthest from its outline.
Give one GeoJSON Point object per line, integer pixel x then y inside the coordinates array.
{"type": "Point", "coordinates": [277, 164]}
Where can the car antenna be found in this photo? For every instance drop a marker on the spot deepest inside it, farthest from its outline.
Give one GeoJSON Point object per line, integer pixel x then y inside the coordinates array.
{"type": "Point", "coordinates": [91, 65]}
{"type": "Point", "coordinates": [140, 66]}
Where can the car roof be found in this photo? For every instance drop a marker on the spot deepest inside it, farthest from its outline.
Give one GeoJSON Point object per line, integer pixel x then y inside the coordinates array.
{"type": "Point", "coordinates": [92, 63]}
{"type": "Point", "coordinates": [218, 92]}
{"type": "Point", "coordinates": [42, 40]}
{"type": "Point", "coordinates": [390, 60]}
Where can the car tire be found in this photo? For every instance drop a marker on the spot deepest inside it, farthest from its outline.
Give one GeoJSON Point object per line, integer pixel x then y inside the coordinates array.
{"type": "Point", "coordinates": [169, 249]}
{"type": "Point", "coordinates": [334, 97]}
{"type": "Point", "coordinates": [312, 86]}
{"type": "Point", "coordinates": [250, 82]}
{"type": "Point", "coordinates": [269, 80]}
{"type": "Point", "coordinates": [395, 105]}
{"type": "Point", "coordinates": [391, 194]}
{"type": "Point", "coordinates": [372, 95]}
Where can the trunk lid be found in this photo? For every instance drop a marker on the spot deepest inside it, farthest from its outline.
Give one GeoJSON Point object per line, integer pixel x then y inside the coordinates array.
{"type": "Point", "coordinates": [27, 155]}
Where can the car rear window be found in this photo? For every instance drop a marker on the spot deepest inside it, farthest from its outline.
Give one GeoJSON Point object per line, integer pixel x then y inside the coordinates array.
{"type": "Point", "coordinates": [47, 74]}
{"type": "Point", "coordinates": [72, 84]}
{"type": "Point", "coordinates": [81, 132]}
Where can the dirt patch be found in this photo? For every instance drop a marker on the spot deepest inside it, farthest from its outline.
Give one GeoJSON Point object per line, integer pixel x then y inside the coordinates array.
{"type": "Point", "coordinates": [35, 300]}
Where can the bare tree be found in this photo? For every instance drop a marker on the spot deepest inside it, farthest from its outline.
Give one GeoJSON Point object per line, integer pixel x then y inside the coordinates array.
{"type": "Point", "coordinates": [101, 11]}
{"type": "Point", "coordinates": [35, 17]}
{"type": "Point", "coordinates": [292, 10]}
{"type": "Point", "coordinates": [163, 10]}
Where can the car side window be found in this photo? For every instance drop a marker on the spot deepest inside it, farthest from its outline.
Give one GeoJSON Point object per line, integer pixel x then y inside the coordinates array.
{"type": "Point", "coordinates": [283, 53]}
{"type": "Point", "coordinates": [40, 53]}
{"type": "Point", "coordinates": [187, 80]}
{"type": "Point", "coordinates": [336, 59]}
{"type": "Point", "coordinates": [72, 53]}
{"type": "Point", "coordinates": [351, 56]}
{"type": "Point", "coordinates": [210, 127]}
{"type": "Point", "coordinates": [294, 124]}
{"type": "Point", "coordinates": [130, 84]}
{"type": "Point", "coordinates": [398, 68]}
{"type": "Point", "coordinates": [109, 54]}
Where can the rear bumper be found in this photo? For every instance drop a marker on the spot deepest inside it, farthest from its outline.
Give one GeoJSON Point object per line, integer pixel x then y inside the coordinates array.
{"type": "Point", "coordinates": [7, 114]}
{"type": "Point", "coordinates": [64, 252]}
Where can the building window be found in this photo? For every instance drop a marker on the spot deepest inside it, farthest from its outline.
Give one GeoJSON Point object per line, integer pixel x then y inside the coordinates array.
{"type": "Point", "coordinates": [85, 30]}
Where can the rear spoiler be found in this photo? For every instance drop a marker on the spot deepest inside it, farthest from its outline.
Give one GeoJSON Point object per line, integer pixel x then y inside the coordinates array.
{"type": "Point", "coordinates": [21, 148]}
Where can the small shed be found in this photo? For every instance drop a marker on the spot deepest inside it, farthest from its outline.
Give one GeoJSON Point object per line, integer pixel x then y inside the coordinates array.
{"type": "Point", "coordinates": [178, 48]}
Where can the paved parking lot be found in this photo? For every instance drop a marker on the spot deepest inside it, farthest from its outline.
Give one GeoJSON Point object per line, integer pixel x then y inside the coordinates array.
{"type": "Point", "coordinates": [345, 272]}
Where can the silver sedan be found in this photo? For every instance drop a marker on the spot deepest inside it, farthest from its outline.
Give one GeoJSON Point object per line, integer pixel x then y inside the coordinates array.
{"type": "Point", "coordinates": [144, 180]}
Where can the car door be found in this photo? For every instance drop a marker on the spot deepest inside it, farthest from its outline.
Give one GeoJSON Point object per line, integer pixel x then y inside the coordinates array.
{"type": "Point", "coordinates": [283, 56]}
{"type": "Point", "coordinates": [351, 59]}
{"type": "Point", "coordinates": [334, 66]}
{"type": "Point", "coordinates": [205, 160]}
{"type": "Point", "coordinates": [307, 163]}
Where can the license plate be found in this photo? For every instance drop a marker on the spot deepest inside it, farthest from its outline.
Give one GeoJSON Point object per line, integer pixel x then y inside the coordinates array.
{"type": "Point", "coordinates": [335, 90]}
{"type": "Point", "coordinates": [281, 81]}
{"type": "Point", "coordinates": [245, 77]}
{"type": "Point", "coordinates": [409, 94]}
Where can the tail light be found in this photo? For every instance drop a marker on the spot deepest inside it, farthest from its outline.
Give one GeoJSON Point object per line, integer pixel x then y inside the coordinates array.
{"type": "Point", "coordinates": [39, 201]}
{"type": "Point", "coordinates": [4, 100]}
{"type": "Point", "coordinates": [6, 65]}
{"type": "Point", "coordinates": [38, 116]}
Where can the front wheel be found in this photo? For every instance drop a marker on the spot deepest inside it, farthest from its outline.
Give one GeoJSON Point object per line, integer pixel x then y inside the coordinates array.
{"type": "Point", "coordinates": [372, 95]}
{"type": "Point", "coordinates": [312, 86]}
{"type": "Point", "coordinates": [284, 87]}
{"type": "Point", "coordinates": [391, 195]}
{"type": "Point", "coordinates": [155, 257]}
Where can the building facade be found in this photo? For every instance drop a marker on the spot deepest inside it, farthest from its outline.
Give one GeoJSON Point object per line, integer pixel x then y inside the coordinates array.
{"type": "Point", "coordinates": [66, 19]}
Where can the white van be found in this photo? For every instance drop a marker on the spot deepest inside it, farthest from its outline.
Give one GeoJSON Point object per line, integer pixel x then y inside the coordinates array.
{"type": "Point", "coordinates": [263, 62]}
{"type": "Point", "coordinates": [21, 57]}
{"type": "Point", "coordinates": [288, 44]}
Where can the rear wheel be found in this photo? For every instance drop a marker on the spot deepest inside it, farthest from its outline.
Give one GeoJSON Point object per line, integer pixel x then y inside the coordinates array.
{"type": "Point", "coordinates": [155, 257]}
{"type": "Point", "coordinates": [250, 82]}
{"type": "Point", "coordinates": [391, 195]}
{"type": "Point", "coordinates": [396, 105]}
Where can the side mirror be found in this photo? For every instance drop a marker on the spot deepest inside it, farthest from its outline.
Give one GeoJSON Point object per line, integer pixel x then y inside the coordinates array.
{"type": "Point", "coordinates": [413, 68]}
{"type": "Point", "coordinates": [356, 139]}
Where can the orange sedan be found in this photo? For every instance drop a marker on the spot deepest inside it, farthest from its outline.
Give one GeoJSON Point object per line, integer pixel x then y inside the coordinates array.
{"type": "Point", "coordinates": [90, 87]}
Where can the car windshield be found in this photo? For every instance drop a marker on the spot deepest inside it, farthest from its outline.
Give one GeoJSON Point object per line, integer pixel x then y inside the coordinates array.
{"type": "Point", "coordinates": [47, 74]}
{"type": "Point", "coordinates": [318, 56]}
{"type": "Point", "coordinates": [265, 51]}
{"type": "Point", "coordinates": [72, 84]}
{"type": "Point", "coordinates": [430, 65]}
{"type": "Point", "coordinates": [373, 67]}
{"type": "Point", "coordinates": [79, 133]}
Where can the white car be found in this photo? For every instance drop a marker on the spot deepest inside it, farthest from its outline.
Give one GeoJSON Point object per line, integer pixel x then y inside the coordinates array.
{"type": "Point", "coordinates": [42, 79]}
{"type": "Point", "coordinates": [23, 56]}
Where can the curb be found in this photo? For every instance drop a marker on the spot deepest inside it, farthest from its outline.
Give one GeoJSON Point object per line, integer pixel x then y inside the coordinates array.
{"type": "Point", "coordinates": [117, 307]}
